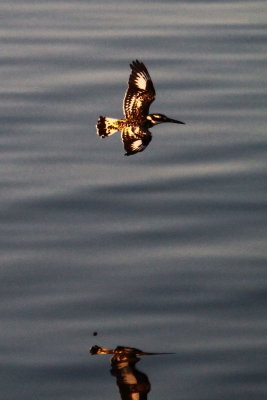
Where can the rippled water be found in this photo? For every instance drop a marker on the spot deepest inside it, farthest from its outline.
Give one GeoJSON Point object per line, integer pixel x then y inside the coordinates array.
{"type": "Point", "coordinates": [165, 250]}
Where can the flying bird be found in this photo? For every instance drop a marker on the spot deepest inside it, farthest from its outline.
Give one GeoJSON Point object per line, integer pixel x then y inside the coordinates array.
{"type": "Point", "coordinates": [137, 121]}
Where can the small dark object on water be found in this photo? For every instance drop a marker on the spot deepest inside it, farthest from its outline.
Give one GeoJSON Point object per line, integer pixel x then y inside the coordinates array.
{"type": "Point", "coordinates": [95, 334]}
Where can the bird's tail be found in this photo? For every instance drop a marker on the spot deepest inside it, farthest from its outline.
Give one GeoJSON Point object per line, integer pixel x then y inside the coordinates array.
{"type": "Point", "coordinates": [107, 126]}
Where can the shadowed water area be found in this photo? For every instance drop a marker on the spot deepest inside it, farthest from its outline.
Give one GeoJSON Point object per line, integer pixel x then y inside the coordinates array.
{"type": "Point", "coordinates": [165, 250]}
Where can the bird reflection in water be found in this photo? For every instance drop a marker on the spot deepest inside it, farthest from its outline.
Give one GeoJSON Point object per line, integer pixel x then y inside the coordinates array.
{"type": "Point", "coordinates": [132, 383]}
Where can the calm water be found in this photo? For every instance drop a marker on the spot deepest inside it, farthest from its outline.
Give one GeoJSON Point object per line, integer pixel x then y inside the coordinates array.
{"type": "Point", "coordinates": [165, 250]}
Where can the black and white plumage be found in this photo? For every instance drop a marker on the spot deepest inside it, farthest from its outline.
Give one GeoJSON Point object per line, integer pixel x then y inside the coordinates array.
{"type": "Point", "coordinates": [135, 126]}
{"type": "Point", "coordinates": [135, 139]}
{"type": "Point", "coordinates": [140, 93]}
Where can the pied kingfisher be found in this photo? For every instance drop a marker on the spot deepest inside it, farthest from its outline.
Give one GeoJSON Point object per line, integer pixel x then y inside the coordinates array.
{"type": "Point", "coordinates": [135, 126]}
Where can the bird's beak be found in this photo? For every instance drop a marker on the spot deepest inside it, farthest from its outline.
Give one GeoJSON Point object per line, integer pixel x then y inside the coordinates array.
{"type": "Point", "coordinates": [174, 121]}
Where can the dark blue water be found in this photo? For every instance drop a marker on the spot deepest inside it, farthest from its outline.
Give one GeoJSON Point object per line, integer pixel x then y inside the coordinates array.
{"type": "Point", "coordinates": [164, 250]}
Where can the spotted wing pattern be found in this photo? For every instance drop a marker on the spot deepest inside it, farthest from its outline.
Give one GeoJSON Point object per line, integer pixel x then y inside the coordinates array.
{"type": "Point", "coordinates": [135, 139]}
{"type": "Point", "coordinates": [140, 93]}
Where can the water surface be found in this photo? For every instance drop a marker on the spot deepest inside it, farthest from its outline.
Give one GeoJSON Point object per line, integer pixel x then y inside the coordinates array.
{"type": "Point", "coordinates": [164, 250]}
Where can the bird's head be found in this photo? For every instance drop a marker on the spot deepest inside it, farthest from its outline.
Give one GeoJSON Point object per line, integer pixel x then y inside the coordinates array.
{"type": "Point", "coordinates": [156, 119]}
{"type": "Point", "coordinates": [100, 350]}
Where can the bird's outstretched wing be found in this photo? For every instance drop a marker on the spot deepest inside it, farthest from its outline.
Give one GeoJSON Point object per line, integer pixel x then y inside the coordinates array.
{"type": "Point", "coordinates": [135, 139]}
{"type": "Point", "coordinates": [140, 92]}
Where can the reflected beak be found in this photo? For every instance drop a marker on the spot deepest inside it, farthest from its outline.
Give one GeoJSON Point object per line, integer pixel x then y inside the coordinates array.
{"type": "Point", "coordinates": [174, 121]}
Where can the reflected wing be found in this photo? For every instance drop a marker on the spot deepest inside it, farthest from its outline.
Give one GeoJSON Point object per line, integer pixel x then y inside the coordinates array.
{"type": "Point", "coordinates": [140, 92]}
{"type": "Point", "coordinates": [135, 139]}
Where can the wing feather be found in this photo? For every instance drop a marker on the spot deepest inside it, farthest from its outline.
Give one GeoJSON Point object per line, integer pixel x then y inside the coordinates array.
{"type": "Point", "coordinates": [135, 139]}
{"type": "Point", "coordinates": [140, 93]}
